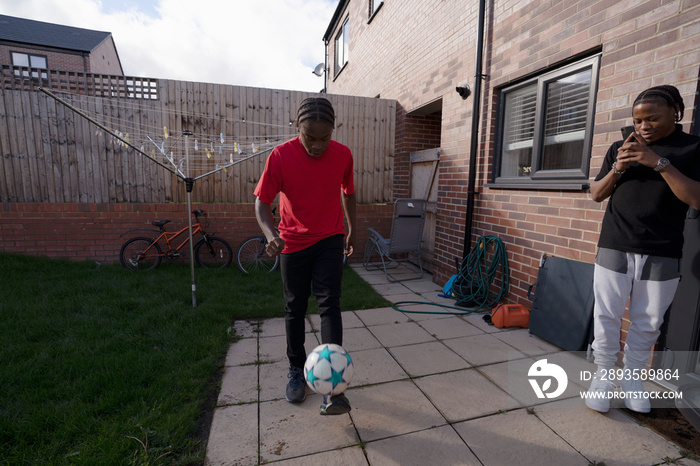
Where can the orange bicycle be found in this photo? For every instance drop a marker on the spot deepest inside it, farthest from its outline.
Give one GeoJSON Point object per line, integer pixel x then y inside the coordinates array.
{"type": "Point", "coordinates": [143, 253]}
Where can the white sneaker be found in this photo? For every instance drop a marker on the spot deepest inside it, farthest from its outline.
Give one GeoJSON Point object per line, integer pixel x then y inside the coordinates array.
{"type": "Point", "coordinates": [636, 397]}
{"type": "Point", "coordinates": [599, 393]}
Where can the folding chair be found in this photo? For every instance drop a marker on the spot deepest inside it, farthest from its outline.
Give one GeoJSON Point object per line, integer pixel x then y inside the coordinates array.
{"type": "Point", "coordinates": [405, 241]}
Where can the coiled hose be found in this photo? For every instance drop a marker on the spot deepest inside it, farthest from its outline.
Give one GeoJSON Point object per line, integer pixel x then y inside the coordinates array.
{"type": "Point", "coordinates": [472, 287]}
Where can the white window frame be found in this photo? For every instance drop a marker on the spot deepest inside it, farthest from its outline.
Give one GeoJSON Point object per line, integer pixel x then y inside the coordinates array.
{"type": "Point", "coordinates": [374, 6]}
{"type": "Point", "coordinates": [536, 176]}
{"type": "Point", "coordinates": [342, 42]}
{"type": "Point", "coordinates": [30, 59]}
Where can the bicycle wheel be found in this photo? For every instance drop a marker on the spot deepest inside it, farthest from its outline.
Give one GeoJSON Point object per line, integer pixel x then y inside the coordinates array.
{"type": "Point", "coordinates": [251, 257]}
{"type": "Point", "coordinates": [212, 254]}
{"type": "Point", "coordinates": [132, 254]}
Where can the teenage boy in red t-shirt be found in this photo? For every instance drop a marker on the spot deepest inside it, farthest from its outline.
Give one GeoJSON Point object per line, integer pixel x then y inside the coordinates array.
{"type": "Point", "coordinates": [312, 174]}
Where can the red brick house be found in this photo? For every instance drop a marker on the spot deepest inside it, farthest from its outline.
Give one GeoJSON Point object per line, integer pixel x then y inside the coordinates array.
{"type": "Point", "coordinates": [550, 85]}
{"type": "Point", "coordinates": [40, 45]}
{"type": "Point", "coordinates": [534, 157]}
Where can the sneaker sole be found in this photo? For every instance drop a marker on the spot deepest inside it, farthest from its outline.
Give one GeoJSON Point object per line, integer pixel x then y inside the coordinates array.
{"type": "Point", "coordinates": [600, 407]}
{"type": "Point", "coordinates": [644, 408]}
{"type": "Point", "coordinates": [335, 409]}
{"type": "Point", "coordinates": [295, 401]}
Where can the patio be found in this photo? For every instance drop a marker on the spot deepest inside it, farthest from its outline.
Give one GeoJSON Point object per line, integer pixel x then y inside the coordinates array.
{"type": "Point", "coordinates": [428, 389]}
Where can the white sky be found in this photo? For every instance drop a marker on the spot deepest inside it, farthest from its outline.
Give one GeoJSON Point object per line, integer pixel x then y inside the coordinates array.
{"type": "Point", "coordinates": [259, 43]}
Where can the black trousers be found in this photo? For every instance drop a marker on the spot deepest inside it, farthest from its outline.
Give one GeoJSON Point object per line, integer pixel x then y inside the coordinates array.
{"type": "Point", "coordinates": [319, 268]}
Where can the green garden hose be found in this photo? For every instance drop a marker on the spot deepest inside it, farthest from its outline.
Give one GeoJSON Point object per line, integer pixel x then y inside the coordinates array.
{"type": "Point", "coordinates": [473, 285]}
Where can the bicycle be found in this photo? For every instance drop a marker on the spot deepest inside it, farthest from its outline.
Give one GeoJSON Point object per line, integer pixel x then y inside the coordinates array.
{"type": "Point", "coordinates": [251, 255]}
{"type": "Point", "coordinates": [143, 253]}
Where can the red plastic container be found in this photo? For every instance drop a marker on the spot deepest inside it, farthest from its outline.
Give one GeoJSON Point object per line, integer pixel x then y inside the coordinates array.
{"type": "Point", "coordinates": [510, 315]}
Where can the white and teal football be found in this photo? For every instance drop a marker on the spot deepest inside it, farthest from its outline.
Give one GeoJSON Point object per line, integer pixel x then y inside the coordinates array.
{"type": "Point", "coordinates": [328, 369]}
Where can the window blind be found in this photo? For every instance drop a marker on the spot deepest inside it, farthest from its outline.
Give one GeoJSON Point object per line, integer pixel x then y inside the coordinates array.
{"type": "Point", "coordinates": [520, 118]}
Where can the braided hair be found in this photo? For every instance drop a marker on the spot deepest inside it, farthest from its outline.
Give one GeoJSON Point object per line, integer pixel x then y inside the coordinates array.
{"type": "Point", "coordinates": [316, 108]}
{"type": "Point", "coordinates": [666, 94]}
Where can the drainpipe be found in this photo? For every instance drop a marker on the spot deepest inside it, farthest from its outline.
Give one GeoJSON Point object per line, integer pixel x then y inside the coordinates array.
{"type": "Point", "coordinates": [325, 66]}
{"type": "Point", "coordinates": [475, 132]}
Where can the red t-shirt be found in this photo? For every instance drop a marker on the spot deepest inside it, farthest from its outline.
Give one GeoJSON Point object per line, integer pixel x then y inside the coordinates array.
{"type": "Point", "coordinates": [310, 204]}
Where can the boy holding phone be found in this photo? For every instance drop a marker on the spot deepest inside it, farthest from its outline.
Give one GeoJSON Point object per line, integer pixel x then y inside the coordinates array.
{"type": "Point", "coordinates": [650, 179]}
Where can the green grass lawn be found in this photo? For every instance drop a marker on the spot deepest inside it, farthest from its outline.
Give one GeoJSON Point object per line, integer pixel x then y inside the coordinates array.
{"type": "Point", "coordinates": [101, 365]}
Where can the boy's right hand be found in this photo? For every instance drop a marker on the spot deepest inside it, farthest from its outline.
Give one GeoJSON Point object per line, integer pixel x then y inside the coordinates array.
{"type": "Point", "coordinates": [275, 247]}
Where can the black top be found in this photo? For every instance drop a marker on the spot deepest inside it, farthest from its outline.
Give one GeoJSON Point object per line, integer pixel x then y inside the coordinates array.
{"type": "Point", "coordinates": [643, 215]}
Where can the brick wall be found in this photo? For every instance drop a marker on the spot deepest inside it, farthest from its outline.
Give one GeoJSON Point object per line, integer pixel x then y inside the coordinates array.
{"type": "Point", "coordinates": [54, 60]}
{"type": "Point", "coordinates": [93, 231]}
{"type": "Point", "coordinates": [413, 133]}
{"type": "Point", "coordinates": [104, 59]}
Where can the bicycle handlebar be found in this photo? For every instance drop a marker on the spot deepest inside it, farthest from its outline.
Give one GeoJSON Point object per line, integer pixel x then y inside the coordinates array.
{"type": "Point", "coordinates": [199, 212]}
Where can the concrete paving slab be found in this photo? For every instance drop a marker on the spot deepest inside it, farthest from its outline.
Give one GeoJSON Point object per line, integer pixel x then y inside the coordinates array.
{"type": "Point", "coordinates": [273, 380]}
{"type": "Point", "coordinates": [355, 339]}
{"type": "Point", "coordinates": [438, 446]}
{"type": "Point", "coordinates": [389, 289]}
{"type": "Point", "coordinates": [273, 327]}
{"type": "Point", "coordinates": [574, 363]}
{"type": "Point", "coordinates": [246, 328]}
{"type": "Point", "coordinates": [477, 320]}
{"type": "Point", "coordinates": [517, 437]}
{"type": "Point", "coordinates": [239, 384]}
{"type": "Point", "coordinates": [464, 394]}
{"type": "Point", "coordinates": [275, 348]}
{"type": "Point", "coordinates": [483, 349]}
{"type": "Point", "coordinates": [450, 327]}
{"type": "Point", "coordinates": [351, 456]}
{"type": "Point", "coordinates": [387, 410]}
{"type": "Point", "coordinates": [373, 277]}
{"type": "Point", "coordinates": [382, 315]}
{"type": "Point", "coordinates": [428, 358]}
{"type": "Point", "coordinates": [244, 351]}
{"type": "Point", "coordinates": [405, 333]}
{"type": "Point", "coordinates": [375, 366]}
{"type": "Point", "coordinates": [512, 376]}
{"type": "Point", "coordinates": [526, 342]}
{"type": "Point", "coordinates": [289, 430]}
{"type": "Point", "coordinates": [350, 320]}
{"type": "Point", "coordinates": [423, 286]}
{"type": "Point", "coordinates": [592, 434]}
{"type": "Point", "coordinates": [233, 438]}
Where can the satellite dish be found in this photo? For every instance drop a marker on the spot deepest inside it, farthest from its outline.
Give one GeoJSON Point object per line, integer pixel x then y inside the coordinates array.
{"type": "Point", "coordinates": [318, 71]}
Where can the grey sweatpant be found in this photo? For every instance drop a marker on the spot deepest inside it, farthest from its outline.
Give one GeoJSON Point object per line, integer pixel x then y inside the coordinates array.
{"type": "Point", "coordinates": [649, 283]}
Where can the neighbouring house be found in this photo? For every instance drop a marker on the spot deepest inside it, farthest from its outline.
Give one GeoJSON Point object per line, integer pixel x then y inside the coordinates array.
{"type": "Point", "coordinates": [515, 103]}
{"type": "Point", "coordinates": [44, 46]}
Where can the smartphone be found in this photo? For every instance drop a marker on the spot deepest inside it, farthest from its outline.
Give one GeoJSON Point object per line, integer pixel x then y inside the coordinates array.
{"type": "Point", "coordinates": [626, 131]}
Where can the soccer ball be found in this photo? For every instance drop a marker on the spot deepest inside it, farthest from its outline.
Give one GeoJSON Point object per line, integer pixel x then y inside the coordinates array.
{"type": "Point", "coordinates": [328, 369]}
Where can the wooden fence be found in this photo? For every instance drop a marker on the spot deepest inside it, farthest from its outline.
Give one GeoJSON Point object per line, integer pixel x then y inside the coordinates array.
{"type": "Point", "coordinates": [50, 153]}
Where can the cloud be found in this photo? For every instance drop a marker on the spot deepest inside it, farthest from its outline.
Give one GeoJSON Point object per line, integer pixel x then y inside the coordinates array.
{"type": "Point", "coordinates": [263, 43]}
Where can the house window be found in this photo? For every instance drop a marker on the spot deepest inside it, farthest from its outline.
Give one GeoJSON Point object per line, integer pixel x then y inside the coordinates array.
{"type": "Point", "coordinates": [341, 47]}
{"type": "Point", "coordinates": [30, 61]}
{"type": "Point", "coordinates": [545, 129]}
{"type": "Point", "coordinates": [374, 6]}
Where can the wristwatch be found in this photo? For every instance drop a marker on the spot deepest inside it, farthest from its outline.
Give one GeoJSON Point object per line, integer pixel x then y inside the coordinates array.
{"type": "Point", "coordinates": [661, 164]}
{"type": "Point", "coordinates": [618, 172]}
